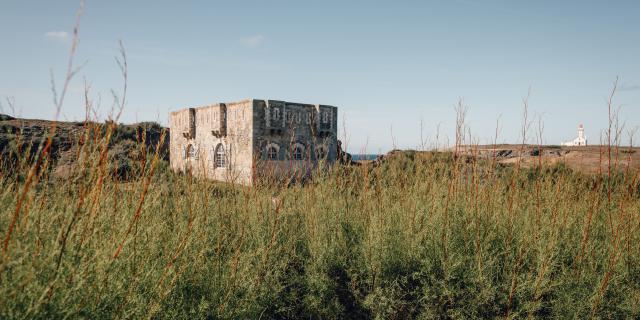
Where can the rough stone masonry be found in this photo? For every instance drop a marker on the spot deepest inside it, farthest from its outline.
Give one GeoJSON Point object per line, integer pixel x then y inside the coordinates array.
{"type": "Point", "coordinates": [243, 142]}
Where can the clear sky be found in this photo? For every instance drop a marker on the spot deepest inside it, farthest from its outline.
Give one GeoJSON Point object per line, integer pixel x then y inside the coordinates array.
{"type": "Point", "coordinates": [387, 65]}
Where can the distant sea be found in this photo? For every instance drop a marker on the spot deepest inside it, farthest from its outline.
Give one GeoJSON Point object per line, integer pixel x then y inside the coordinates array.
{"type": "Point", "coordinates": [360, 157]}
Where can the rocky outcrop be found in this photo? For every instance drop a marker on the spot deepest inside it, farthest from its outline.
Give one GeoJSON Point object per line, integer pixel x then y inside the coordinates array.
{"type": "Point", "coordinates": [344, 157]}
{"type": "Point", "coordinates": [20, 138]}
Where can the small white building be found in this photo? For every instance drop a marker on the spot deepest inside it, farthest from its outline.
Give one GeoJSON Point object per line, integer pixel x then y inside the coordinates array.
{"type": "Point", "coordinates": [581, 140]}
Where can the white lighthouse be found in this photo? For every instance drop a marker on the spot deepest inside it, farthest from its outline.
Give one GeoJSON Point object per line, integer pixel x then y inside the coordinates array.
{"type": "Point", "coordinates": [581, 140]}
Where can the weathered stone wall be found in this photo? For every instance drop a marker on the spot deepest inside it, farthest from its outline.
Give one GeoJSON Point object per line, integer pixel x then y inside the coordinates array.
{"type": "Point", "coordinates": [179, 124]}
{"type": "Point", "coordinates": [285, 126]}
{"type": "Point", "coordinates": [219, 126]}
{"type": "Point", "coordinates": [238, 144]}
{"type": "Point", "coordinates": [246, 130]}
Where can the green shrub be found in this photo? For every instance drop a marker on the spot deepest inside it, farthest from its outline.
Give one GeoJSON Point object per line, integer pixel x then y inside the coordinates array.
{"type": "Point", "coordinates": [422, 235]}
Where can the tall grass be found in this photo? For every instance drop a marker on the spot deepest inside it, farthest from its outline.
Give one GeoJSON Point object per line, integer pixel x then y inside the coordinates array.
{"type": "Point", "coordinates": [425, 234]}
{"type": "Point", "coordinates": [421, 235]}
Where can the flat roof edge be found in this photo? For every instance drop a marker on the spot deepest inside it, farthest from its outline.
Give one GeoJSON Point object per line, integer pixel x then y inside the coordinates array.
{"type": "Point", "coordinates": [249, 100]}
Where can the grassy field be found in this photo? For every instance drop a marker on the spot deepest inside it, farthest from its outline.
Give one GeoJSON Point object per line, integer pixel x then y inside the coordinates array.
{"type": "Point", "coordinates": [422, 235]}
{"type": "Point", "coordinates": [110, 232]}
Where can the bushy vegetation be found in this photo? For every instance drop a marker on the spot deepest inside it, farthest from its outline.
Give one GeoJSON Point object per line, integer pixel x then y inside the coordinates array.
{"type": "Point", "coordinates": [420, 235]}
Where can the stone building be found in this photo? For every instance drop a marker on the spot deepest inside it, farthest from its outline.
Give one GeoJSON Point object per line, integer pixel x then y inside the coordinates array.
{"type": "Point", "coordinates": [242, 142]}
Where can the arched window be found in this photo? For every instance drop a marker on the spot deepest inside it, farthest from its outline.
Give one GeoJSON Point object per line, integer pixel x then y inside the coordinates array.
{"type": "Point", "coordinates": [191, 151]}
{"type": "Point", "coordinates": [321, 152]}
{"type": "Point", "coordinates": [220, 157]}
{"type": "Point", "coordinates": [273, 152]}
{"type": "Point", "coordinates": [298, 152]}
{"type": "Point", "coordinates": [289, 117]}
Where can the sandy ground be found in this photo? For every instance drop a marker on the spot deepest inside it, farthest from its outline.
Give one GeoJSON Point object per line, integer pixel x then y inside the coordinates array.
{"type": "Point", "coordinates": [589, 159]}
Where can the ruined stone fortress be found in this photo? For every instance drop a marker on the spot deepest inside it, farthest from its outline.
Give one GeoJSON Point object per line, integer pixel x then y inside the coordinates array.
{"type": "Point", "coordinates": [243, 142]}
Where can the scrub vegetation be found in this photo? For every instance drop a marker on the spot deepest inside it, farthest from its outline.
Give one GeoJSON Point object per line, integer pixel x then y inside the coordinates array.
{"type": "Point", "coordinates": [418, 235]}
{"type": "Point", "coordinates": [427, 234]}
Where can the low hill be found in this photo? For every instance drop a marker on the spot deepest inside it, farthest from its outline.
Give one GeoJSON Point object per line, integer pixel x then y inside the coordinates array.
{"type": "Point", "coordinates": [21, 138]}
{"type": "Point", "coordinates": [587, 159]}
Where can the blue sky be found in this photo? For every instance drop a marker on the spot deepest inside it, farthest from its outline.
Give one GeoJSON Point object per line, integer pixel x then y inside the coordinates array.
{"type": "Point", "coordinates": [386, 64]}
